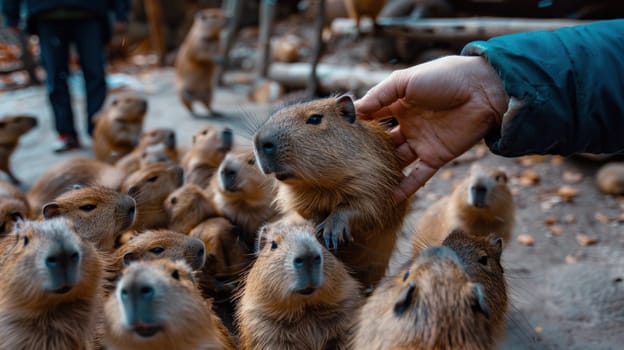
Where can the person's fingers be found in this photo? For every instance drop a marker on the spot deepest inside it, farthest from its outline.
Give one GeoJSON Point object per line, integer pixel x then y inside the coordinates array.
{"type": "Point", "coordinates": [397, 136]}
{"type": "Point", "coordinates": [412, 182]}
{"type": "Point", "coordinates": [406, 154]}
{"type": "Point", "coordinates": [382, 95]}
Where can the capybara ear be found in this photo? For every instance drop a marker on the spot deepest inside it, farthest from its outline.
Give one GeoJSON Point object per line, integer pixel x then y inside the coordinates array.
{"type": "Point", "coordinates": [405, 300]}
{"type": "Point", "coordinates": [51, 210]}
{"type": "Point", "coordinates": [179, 173]}
{"type": "Point", "coordinates": [264, 237]}
{"type": "Point", "coordinates": [480, 304]}
{"type": "Point", "coordinates": [128, 258]}
{"type": "Point", "coordinates": [346, 107]}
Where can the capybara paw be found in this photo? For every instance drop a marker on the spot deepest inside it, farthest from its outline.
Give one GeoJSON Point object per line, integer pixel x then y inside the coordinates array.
{"type": "Point", "coordinates": [335, 229]}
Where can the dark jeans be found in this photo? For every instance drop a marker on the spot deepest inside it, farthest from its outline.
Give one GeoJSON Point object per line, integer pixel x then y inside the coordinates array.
{"type": "Point", "coordinates": [55, 37]}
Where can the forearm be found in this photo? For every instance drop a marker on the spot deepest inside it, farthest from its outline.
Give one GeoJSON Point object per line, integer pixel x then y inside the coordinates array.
{"type": "Point", "coordinates": [11, 12]}
{"type": "Point", "coordinates": [570, 85]}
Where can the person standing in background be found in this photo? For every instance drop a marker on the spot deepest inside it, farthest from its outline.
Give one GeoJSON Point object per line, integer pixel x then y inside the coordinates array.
{"type": "Point", "coordinates": [59, 24]}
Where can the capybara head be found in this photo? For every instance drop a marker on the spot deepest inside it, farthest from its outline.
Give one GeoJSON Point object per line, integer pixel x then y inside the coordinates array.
{"type": "Point", "coordinates": [431, 304]}
{"type": "Point", "coordinates": [151, 185]}
{"type": "Point", "coordinates": [46, 263]}
{"type": "Point", "coordinates": [12, 127]}
{"type": "Point", "coordinates": [156, 305]}
{"type": "Point", "coordinates": [123, 119]}
{"type": "Point", "coordinates": [187, 207]}
{"type": "Point", "coordinates": [165, 136]}
{"type": "Point", "coordinates": [213, 143]}
{"type": "Point", "coordinates": [239, 177]}
{"type": "Point", "coordinates": [99, 214]}
{"type": "Point", "coordinates": [158, 153]}
{"type": "Point", "coordinates": [162, 244]}
{"type": "Point", "coordinates": [486, 188]}
{"type": "Point", "coordinates": [205, 32]}
{"type": "Point", "coordinates": [311, 142]}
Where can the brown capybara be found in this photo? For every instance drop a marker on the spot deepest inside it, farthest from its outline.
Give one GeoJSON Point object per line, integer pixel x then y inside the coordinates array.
{"type": "Point", "coordinates": [13, 206]}
{"type": "Point", "coordinates": [226, 256]}
{"type": "Point", "coordinates": [243, 194]}
{"type": "Point", "coordinates": [610, 178]}
{"type": "Point", "coordinates": [481, 204]}
{"type": "Point", "coordinates": [481, 259]}
{"type": "Point", "coordinates": [150, 187]}
{"type": "Point", "coordinates": [64, 175]}
{"type": "Point", "coordinates": [157, 305]}
{"type": "Point", "coordinates": [161, 244]}
{"type": "Point", "coordinates": [118, 127]}
{"type": "Point", "coordinates": [11, 129]}
{"type": "Point", "coordinates": [99, 214]}
{"type": "Point", "coordinates": [297, 295]}
{"type": "Point", "coordinates": [51, 287]}
{"type": "Point", "coordinates": [156, 143]}
{"type": "Point", "coordinates": [195, 64]}
{"type": "Point", "coordinates": [430, 304]}
{"type": "Point", "coordinates": [339, 172]}
{"type": "Point", "coordinates": [187, 207]}
{"type": "Point", "coordinates": [208, 149]}
{"type": "Point", "coordinates": [364, 8]}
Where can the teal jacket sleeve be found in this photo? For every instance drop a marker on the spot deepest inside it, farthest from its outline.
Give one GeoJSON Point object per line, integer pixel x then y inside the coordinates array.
{"type": "Point", "coordinates": [570, 87]}
{"type": "Point", "coordinates": [11, 12]}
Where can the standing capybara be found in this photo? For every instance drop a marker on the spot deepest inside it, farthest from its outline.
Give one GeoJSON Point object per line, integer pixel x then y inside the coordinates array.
{"type": "Point", "coordinates": [11, 129]}
{"type": "Point", "coordinates": [157, 305]}
{"type": "Point", "coordinates": [51, 288]}
{"type": "Point", "coordinates": [209, 147]}
{"type": "Point", "coordinates": [297, 295]}
{"type": "Point", "coordinates": [481, 204]}
{"type": "Point", "coordinates": [99, 214]}
{"type": "Point", "coordinates": [64, 175]}
{"type": "Point", "coordinates": [431, 304]}
{"type": "Point", "coordinates": [195, 64]}
{"type": "Point", "coordinates": [118, 127]}
{"type": "Point", "coordinates": [339, 172]}
{"type": "Point", "coordinates": [243, 194]}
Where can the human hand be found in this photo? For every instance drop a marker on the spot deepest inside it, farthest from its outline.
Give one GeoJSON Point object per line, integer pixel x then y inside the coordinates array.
{"type": "Point", "coordinates": [443, 107]}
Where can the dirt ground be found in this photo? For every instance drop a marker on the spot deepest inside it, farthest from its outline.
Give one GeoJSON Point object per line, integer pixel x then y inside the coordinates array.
{"type": "Point", "coordinates": [565, 295]}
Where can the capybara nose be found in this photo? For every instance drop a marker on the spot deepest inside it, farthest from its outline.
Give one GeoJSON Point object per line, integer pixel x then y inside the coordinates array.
{"type": "Point", "coordinates": [198, 250]}
{"type": "Point", "coordinates": [144, 292]}
{"type": "Point", "coordinates": [478, 193]}
{"type": "Point", "coordinates": [62, 259]}
{"type": "Point", "coordinates": [144, 105]}
{"type": "Point", "coordinates": [441, 252]}
{"type": "Point", "coordinates": [227, 138]}
{"type": "Point", "coordinates": [171, 140]}
{"type": "Point", "coordinates": [133, 191]}
{"type": "Point", "coordinates": [307, 261]}
{"type": "Point", "coordinates": [268, 148]}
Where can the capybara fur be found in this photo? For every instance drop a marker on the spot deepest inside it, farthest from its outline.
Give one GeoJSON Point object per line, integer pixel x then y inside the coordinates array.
{"type": "Point", "coordinates": [156, 145]}
{"type": "Point", "coordinates": [297, 295]}
{"type": "Point", "coordinates": [118, 127]}
{"type": "Point", "coordinates": [51, 288]}
{"type": "Point", "coordinates": [339, 172]}
{"type": "Point", "coordinates": [157, 305]}
{"type": "Point", "coordinates": [13, 206]}
{"type": "Point", "coordinates": [11, 130]}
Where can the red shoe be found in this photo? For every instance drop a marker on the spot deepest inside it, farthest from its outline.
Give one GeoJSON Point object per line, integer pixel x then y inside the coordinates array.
{"type": "Point", "coordinates": [67, 143]}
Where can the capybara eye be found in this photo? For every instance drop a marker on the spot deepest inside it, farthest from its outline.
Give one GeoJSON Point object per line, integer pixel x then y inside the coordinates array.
{"type": "Point", "coordinates": [204, 132]}
{"type": "Point", "coordinates": [174, 200]}
{"type": "Point", "coordinates": [175, 274]}
{"type": "Point", "coordinates": [87, 207]}
{"type": "Point", "coordinates": [114, 102]}
{"type": "Point", "coordinates": [152, 179]}
{"type": "Point", "coordinates": [157, 250]}
{"type": "Point", "coordinates": [501, 178]}
{"type": "Point", "coordinates": [144, 155]}
{"type": "Point", "coordinates": [483, 260]}
{"type": "Point", "coordinates": [273, 245]}
{"type": "Point", "coordinates": [251, 161]}
{"type": "Point", "coordinates": [314, 119]}
{"type": "Point", "coordinates": [407, 273]}
{"type": "Point", "coordinates": [26, 240]}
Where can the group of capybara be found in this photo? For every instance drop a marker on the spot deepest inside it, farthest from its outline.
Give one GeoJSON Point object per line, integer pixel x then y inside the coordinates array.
{"type": "Point", "coordinates": [281, 244]}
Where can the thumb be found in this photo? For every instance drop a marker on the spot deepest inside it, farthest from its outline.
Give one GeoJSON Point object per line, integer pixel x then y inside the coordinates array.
{"type": "Point", "coordinates": [412, 182]}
